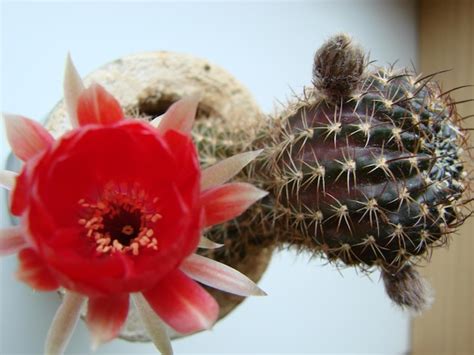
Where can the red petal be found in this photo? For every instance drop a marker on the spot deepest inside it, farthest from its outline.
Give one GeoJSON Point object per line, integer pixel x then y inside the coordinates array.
{"type": "Point", "coordinates": [11, 240]}
{"type": "Point", "coordinates": [34, 271]}
{"type": "Point", "coordinates": [228, 201]}
{"type": "Point", "coordinates": [23, 187]}
{"type": "Point", "coordinates": [96, 105]}
{"type": "Point", "coordinates": [26, 137]}
{"type": "Point", "coordinates": [182, 303]}
{"type": "Point", "coordinates": [106, 316]}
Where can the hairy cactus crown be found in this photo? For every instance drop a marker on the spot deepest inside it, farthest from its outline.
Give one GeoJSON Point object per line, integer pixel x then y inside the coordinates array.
{"type": "Point", "coordinates": [338, 67]}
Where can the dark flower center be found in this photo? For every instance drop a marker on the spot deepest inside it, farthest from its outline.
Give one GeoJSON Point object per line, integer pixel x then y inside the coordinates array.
{"type": "Point", "coordinates": [121, 222]}
{"type": "Point", "coordinates": [123, 226]}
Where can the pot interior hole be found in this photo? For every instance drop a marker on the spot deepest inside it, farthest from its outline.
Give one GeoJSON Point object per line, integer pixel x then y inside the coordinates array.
{"type": "Point", "coordinates": [150, 107]}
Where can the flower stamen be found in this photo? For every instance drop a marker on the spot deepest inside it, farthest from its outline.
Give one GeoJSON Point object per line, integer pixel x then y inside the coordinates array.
{"type": "Point", "coordinates": [121, 222]}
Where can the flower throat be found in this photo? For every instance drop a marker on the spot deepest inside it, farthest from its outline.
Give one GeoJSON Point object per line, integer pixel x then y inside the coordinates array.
{"type": "Point", "coordinates": [123, 222]}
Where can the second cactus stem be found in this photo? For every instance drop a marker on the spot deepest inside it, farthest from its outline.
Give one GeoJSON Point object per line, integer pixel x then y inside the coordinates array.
{"type": "Point", "coordinates": [365, 168]}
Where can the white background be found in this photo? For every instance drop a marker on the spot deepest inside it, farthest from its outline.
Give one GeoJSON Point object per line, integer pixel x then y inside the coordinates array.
{"type": "Point", "coordinates": [311, 308]}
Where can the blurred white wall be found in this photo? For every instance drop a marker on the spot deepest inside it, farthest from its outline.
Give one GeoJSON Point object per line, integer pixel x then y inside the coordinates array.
{"type": "Point", "coordinates": [311, 308]}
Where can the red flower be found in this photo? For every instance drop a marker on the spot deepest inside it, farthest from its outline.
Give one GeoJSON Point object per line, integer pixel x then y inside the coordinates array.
{"type": "Point", "coordinates": [117, 207]}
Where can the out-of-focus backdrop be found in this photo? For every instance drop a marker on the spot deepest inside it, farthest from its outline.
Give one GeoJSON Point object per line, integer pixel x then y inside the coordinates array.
{"type": "Point", "coordinates": [446, 41]}
{"type": "Point", "coordinates": [268, 46]}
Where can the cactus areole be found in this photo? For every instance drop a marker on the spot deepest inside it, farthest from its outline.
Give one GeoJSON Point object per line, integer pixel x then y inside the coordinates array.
{"type": "Point", "coordinates": [365, 167]}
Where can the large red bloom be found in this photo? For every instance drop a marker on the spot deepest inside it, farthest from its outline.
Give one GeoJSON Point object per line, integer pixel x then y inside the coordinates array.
{"type": "Point", "coordinates": [112, 208]}
{"type": "Point", "coordinates": [116, 207]}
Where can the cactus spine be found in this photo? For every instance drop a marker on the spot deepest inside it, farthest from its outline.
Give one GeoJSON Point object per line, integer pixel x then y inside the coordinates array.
{"type": "Point", "coordinates": [364, 168]}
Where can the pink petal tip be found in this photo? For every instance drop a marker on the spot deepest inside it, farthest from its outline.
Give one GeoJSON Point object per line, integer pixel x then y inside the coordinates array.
{"type": "Point", "coordinates": [7, 179]}
{"type": "Point", "coordinates": [97, 106]}
{"type": "Point", "coordinates": [225, 170]}
{"type": "Point", "coordinates": [180, 116]}
{"type": "Point", "coordinates": [215, 274]}
{"type": "Point", "coordinates": [73, 88]}
{"type": "Point", "coordinates": [228, 201]}
{"type": "Point", "coordinates": [26, 137]}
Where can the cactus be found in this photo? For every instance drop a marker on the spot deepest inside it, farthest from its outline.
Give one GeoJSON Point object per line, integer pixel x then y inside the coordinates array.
{"type": "Point", "coordinates": [364, 168]}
